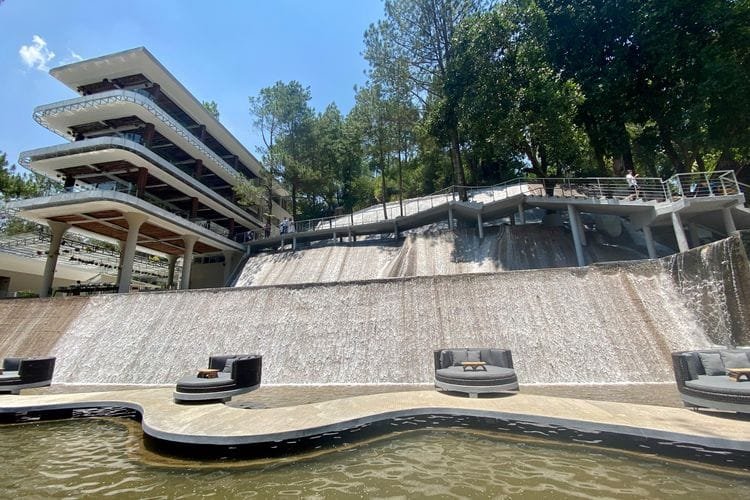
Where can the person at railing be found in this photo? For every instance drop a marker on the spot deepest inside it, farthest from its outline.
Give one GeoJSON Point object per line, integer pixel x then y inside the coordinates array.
{"type": "Point", "coordinates": [69, 184]}
{"type": "Point", "coordinates": [284, 226]}
{"type": "Point", "coordinates": [267, 229]}
{"type": "Point", "coordinates": [630, 178]}
{"type": "Point", "coordinates": [290, 226]}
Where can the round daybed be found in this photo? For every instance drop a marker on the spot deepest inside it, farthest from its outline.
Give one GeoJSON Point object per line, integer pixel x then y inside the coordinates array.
{"type": "Point", "coordinates": [226, 376]}
{"type": "Point", "coordinates": [475, 371]}
{"type": "Point", "coordinates": [704, 378]}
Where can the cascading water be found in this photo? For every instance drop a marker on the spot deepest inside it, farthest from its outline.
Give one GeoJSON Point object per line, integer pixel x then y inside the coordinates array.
{"type": "Point", "coordinates": [609, 323]}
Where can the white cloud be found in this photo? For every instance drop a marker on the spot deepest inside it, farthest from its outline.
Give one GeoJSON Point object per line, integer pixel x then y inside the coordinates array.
{"type": "Point", "coordinates": [75, 56]}
{"type": "Point", "coordinates": [36, 55]}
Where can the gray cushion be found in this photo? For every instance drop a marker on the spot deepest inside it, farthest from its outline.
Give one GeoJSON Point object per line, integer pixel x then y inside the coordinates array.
{"type": "Point", "coordinates": [446, 359]}
{"type": "Point", "coordinates": [228, 365]}
{"type": "Point", "coordinates": [193, 383]}
{"type": "Point", "coordinates": [712, 363]}
{"type": "Point", "coordinates": [459, 356]}
{"type": "Point", "coordinates": [493, 375]}
{"type": "Point", "coordinates": [720, 385]}
{"type": "Point", "coordinates": [734, 359]}
{"type": "Point", "coordinates": [473, 355]}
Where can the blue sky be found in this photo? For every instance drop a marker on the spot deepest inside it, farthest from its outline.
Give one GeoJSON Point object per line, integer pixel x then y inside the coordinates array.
{"type": "Point", "coordinates": [221, 50]}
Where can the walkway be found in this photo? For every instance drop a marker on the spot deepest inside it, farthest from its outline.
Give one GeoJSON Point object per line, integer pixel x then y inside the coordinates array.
{"type": "Point", "coordinates": [710, 200]}
{"type": "Point", "coordinates": [670, 431]}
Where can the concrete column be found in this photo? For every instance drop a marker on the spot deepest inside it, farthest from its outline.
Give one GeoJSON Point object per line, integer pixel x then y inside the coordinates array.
{"type": "Point", "coordinates": [649, 242]}
{"type": "Point", "coordinates": [58, 230]}
{"type": "Point", "coordinates": [679, 233]}
{"type": "Point", "coordinates": [135, 220]}
{"type": "Point", "coordinates": [581, 230]}
{"type": "Point", "coordinates": [728, 221]}
{"type": "Point", "coordinates": [695, 237]}
{"type": "Point", "coordinates": [521, 214]}
{"type": "Point", "coordinates": [229, 263]}
{"type": "Point", "coordinates": [121, 246]}
{"type": "Point", "coordinates": [479, 226]}
{"type": "Point", "coordinates": [395, 230]}
{"type": "Point", "coordinates": [172, 259]}
{"type": "Point", "coordinates": [572, 215]}
{"type": "Point", "coordinates": [294, 243]}
{"type": "Point", "coordinates": [187, 260]}
{"type": "Point", "coordinates": [450, 217]}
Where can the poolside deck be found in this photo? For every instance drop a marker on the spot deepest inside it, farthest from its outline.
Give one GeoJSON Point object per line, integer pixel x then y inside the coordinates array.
{"type": "Point", "coordinates": [644, 427]}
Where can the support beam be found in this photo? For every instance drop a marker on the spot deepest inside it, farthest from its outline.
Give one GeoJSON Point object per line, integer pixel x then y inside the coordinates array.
{"type": "Point", "coordinates": [194, 205]}
{"type": "Point", "coordinates": [480, 226]}
{"type": "Point", "coordinates": [581, 229]}
{"type": "Point", "coordinates": [574, 229]}
{"type": "Point", "coordinates": [187, 260]}
{"type": "Point", "coordinates": [695, 237]}
{"type": "Point", "coordinates": [450, 216]}
{"type": "Point", "coordinates": [148, 135]}
{"type": "Point", "coordinates": [648, 235]}
{"type": "Point", "coordinates": [141, 182]}
{"type": "Point", "coordinates": [679, 233]}
{"type": "Point", "coordinates": [728, 221]}
{"type": "Point", "coordinates": [58, 230]}
{"type": "Point", "coordinates": [120, 253]}
{"type": "Point", "coordinates": [172, 259]}
{"type": "Point", "coordinates": [229, 263]}
{"type": "Point", "coordinates": [198, 169]}
{"type": "Point", "coordinates": [521, 214]}
{"type": "Point", "coordinates": [135, 220]}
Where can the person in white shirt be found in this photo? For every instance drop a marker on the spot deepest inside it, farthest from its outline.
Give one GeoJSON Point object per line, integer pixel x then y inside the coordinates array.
{"type": "Point", "coordinates": [630, 177]}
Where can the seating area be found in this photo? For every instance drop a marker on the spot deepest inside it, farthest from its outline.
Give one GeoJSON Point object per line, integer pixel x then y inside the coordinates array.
{"type": "Point", "coordinates": [226, 376]}
{"type": "Point", "coordinates": [25, 373]}
{"type": "Point", "coordinates": [475, 371]}
{"type": "Point", "coordinates": [716, 378]}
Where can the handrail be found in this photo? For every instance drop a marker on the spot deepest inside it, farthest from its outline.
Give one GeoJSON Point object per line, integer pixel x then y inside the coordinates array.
{"type": "Point", "coordinates": [653, 189]}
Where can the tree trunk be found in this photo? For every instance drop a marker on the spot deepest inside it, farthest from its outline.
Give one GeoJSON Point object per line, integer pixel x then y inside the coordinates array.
{"type": "Point", "coordinates": [458, 171]}
{"type": "Point", "coordinates": [666, 141]}
{"type": "Point", "coordinates": [400, 185]}
{"type": "Point", "coordinates": [382, 177]}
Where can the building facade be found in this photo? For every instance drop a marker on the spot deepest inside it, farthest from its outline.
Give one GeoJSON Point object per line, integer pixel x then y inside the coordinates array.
{"type": "Point", "coordinates": [145, 166]}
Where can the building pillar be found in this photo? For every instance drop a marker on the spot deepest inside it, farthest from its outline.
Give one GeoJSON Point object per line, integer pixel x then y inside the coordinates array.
{"type": "Point", "coordinates": [135, 220]}
{"type": "Point", "coordinates": [121, 253]}
{"type": "Point", "coordinates": [395, 230]}
{"type": "Point", "coordinates": [58, 230]}
{"type": "Point", "coordinates": [581, 229]}
{"type": "Point", "coordinates": [521, 214]}
{"type": "Point", "coordinates": [574, 229]}
{"type": "Point", "coordinates": [172, 259]}
{"type": "Point", "coordinates": [148, 135]}
{"type": "Point", "coordinates": [140, 189]}
{"type": "Point", "coordinates": [229, 257]}
{"type": "Point", "coordinates": [679, 233]}
{"type": "Point", "coordinates": [198, 169]}
{"type": "Point", "coordinates": [649, 242]}
{"type": "Point", "coordinates": [695, 237]}
{"type": "Point", "coordinates": [450, 216]}
{"type": "Point", "coordinates": [479, 226]}
{"type": "Point", "coordinates": [187, 260]}
{"type": "Point", "coordinates": [194, 208]}
{"type": "Point", "coordinates": [728, 221]}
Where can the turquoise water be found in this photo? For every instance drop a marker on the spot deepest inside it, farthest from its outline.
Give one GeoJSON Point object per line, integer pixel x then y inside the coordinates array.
{"type": "Point", "coordinates": [106, 458]}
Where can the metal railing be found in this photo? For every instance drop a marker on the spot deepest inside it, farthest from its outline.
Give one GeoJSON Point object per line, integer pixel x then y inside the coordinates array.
{"type": "Point", "coordinates": [649, 189]}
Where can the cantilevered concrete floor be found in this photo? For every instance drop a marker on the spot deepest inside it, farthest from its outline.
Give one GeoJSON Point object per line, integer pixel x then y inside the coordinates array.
{"type": "Point", "coordinates": [591, 421]}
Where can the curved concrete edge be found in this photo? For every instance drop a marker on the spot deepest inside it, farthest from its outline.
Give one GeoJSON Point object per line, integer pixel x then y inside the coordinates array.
{"type": "Point", "coordinates": [221, 425]}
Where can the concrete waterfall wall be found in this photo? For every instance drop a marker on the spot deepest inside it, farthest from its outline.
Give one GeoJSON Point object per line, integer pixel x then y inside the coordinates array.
{"type": "Point", "coordinates": [612, 323]}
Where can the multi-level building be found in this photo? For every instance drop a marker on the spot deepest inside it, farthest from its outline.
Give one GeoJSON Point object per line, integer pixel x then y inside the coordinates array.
{"type": "Point", "coordinates": [147, 166]}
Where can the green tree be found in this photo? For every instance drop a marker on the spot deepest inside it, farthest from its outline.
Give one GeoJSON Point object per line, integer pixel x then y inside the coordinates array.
{"type": "Point", "coordinates": [212, 108]}
{"type": "Point", "coordinates": [418, 35]}
{"type": "Point", "coordinates": [511, 97]}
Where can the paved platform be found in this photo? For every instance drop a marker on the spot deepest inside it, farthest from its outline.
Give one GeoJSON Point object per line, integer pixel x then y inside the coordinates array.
{"type": "Point", "coordinates": [590, 421]}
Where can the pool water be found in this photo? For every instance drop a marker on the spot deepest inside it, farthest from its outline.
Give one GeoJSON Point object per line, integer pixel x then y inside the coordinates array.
{"type": "Point", "coordinates": [98, 457]}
